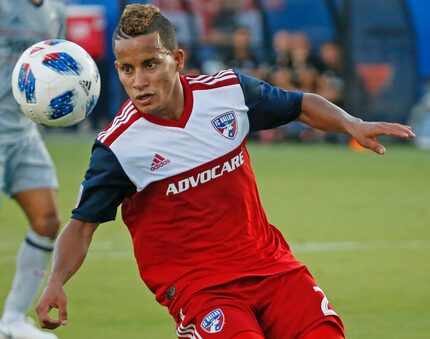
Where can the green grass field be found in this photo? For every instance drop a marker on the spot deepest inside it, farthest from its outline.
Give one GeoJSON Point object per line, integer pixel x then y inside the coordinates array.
{"type": "Point", "coordinates": [359, 221]}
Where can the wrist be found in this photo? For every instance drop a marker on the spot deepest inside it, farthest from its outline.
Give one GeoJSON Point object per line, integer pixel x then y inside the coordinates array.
{"type": "Point", "coordinates": [55, 281]}
{"type": "Point", "coordinates": [352, 125]}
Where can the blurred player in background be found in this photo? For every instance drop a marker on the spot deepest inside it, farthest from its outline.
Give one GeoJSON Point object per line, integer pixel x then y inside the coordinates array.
{"type": "Point", "coordinates": [27, 173]}
{"type": "Point", "coordinates": [175, 157]}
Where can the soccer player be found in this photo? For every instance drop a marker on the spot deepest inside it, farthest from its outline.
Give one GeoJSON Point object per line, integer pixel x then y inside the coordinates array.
{"type": "Point", "coordinates": [27, 173]}
{"type": "Point", "coordinates": [175, 158]}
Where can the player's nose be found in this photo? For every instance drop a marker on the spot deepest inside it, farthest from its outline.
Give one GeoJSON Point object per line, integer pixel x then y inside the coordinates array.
{"type": "Point", "coordinates": [140, 80]}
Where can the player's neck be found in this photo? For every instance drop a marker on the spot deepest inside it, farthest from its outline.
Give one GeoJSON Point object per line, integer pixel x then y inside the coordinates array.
{"type": "Point", "coordinates": [178, 104]}
{"type": "Point", "coordinates": [175, 106]}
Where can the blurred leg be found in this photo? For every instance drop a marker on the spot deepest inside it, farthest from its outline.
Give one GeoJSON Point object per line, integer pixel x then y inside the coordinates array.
{"type": "Point", "coordinates": [33, 258]}
{"type": "Point", "coordinates": [40, 207]}
{"type": "Point", "coordinates": [30, 178]}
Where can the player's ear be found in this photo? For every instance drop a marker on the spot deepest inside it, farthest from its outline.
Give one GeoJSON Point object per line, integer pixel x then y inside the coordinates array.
{"type": "Point", "coordinates": [179, 56]}
{"type": "Point", "coordinates": [116, 64]}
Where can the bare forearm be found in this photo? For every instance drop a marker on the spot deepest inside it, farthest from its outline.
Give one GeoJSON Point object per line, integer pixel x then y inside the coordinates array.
{"type": "Point", "coordinates": [69, 254]}
{"type": "Point", "coordinates": [322, 114]}
{"type": "Point", "coordinates": [71, 250]}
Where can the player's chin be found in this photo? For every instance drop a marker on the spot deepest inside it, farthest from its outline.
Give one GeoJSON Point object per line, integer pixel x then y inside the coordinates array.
{"type": "Point", "coordinates": [141, 107]}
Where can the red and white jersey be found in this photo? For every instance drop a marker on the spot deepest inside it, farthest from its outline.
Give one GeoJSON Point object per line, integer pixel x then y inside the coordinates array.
{"type": "Point", "coordinates": [188, 193]}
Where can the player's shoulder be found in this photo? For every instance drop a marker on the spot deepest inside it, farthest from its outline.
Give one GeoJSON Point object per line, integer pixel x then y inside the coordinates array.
{"type": "Point", "coordinates": [227, 77]}
{"type": "Point", "coordinates": [125, 117]}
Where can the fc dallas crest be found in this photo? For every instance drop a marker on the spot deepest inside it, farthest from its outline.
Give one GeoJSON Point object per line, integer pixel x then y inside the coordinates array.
{"type": "Point", "coordinates": [226, 124]}
{"type": "Point", "coordinates": [214, 321]}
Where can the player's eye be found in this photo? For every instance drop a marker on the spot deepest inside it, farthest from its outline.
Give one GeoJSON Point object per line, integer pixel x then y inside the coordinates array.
{"type": "Point", "coordinates": [126, 69]}
{"type": "Point", "coordinates": [150, 64]}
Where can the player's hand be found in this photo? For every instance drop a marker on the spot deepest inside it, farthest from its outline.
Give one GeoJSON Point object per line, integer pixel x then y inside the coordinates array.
{"type": "Point", "coordinates": [52, 297]}
{"type": "Point", "coordinates": [367, 133]}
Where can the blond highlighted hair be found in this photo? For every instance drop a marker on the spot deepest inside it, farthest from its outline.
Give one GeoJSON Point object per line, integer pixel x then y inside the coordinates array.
{"type": "Point", "coordinates": [139, 19]}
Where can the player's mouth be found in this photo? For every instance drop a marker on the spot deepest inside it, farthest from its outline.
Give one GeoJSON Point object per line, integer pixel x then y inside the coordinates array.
{"type": "Point", "coordinates": [144, 99]}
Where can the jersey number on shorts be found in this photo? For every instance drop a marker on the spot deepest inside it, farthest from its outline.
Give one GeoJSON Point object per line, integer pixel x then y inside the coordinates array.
{"type": "Point", "coordinates": [324, 303]}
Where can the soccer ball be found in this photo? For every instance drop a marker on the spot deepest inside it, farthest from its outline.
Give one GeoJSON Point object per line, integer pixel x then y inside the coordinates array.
{"type": "Point", "coordinates": [56, 83]}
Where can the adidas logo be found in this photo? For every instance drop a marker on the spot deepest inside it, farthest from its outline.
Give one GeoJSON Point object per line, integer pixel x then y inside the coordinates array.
{"type": "Point", "coordinates": [86, 86]}
{"type": "Point", "coordinates": [158, 162]}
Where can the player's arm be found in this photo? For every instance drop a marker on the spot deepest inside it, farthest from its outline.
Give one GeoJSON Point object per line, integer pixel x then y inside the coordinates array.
{"type": "Point", "coordinates": [270, 107]}
{"type": "Point", "coordinates": [322, 114]}
{"type": "Point", "coordinates": [105, 187]}
{"type": "Point", "coordinates": [69, 254]}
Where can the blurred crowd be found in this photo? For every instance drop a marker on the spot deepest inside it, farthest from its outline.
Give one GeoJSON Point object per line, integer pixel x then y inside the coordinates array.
{"type": "Point", "coordinates": [292, 65]}
{"type": "Point", "coordinates": [289, 62]}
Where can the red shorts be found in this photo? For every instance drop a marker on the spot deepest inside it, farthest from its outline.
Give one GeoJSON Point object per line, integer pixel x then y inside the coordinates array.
{"type": "Point", "coordinates": [282, 306]}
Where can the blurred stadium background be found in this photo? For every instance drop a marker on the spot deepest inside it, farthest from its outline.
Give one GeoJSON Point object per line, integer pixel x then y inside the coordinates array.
{"type": "Point", "coordinates": [370, 57]}
{"type": "Point", "coordinates": [359, 221]}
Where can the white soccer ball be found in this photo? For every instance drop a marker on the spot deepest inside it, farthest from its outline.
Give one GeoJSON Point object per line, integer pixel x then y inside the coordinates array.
{"type": "Point", "coordinates": [56, 83]}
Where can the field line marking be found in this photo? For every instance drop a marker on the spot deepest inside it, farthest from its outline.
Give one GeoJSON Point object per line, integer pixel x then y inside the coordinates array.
{"type": "Point", "coordinates": [104, 250]}
{"type": "Point", "coordinates": [357, 245]}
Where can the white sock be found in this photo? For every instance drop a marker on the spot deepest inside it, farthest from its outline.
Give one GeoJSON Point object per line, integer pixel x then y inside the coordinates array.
{"type": "Point", "coordinates": [31, 263]}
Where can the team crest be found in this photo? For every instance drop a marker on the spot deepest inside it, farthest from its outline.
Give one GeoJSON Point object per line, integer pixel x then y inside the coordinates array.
{"type": "Point", "coordinates": [213, 322]}
{"type": "Point", "coordinates": [226, 124]}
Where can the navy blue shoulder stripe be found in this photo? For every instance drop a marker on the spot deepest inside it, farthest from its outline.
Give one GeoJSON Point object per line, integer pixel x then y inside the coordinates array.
{"type": "Point", "coordinates": [269, 106]}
